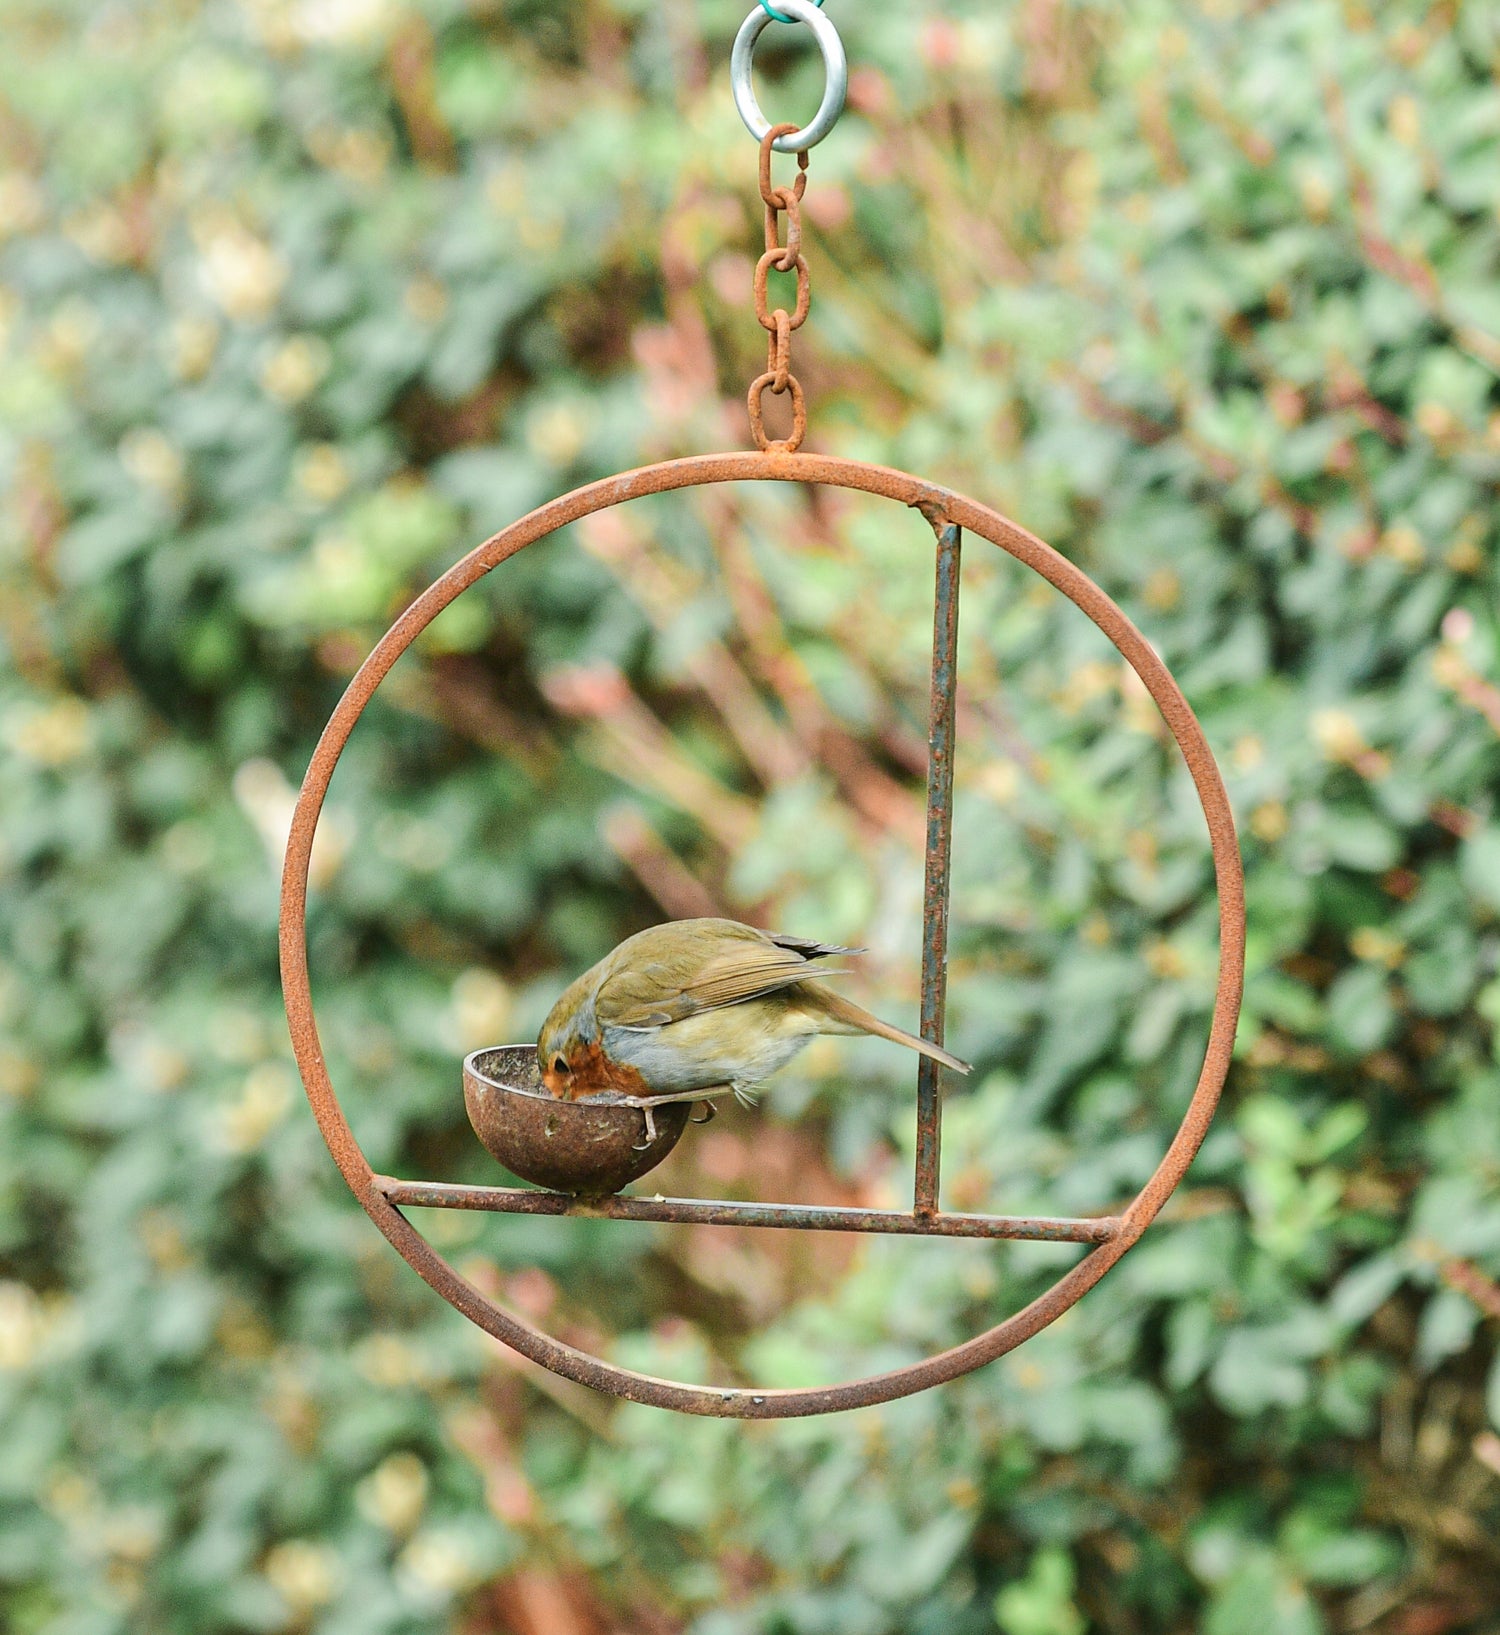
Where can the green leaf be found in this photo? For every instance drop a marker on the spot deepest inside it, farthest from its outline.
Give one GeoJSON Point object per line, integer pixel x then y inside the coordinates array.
{"type": "Point", "coordinates": [1360, 1013]}
{"type": "Point", "coordinates": [1480, 863]}
{"type": "Point", "coordinates": [1042, 1602]}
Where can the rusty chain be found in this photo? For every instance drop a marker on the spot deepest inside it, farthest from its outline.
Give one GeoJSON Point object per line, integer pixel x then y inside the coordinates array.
{"type": "Point", "coordinates": [779, 323]}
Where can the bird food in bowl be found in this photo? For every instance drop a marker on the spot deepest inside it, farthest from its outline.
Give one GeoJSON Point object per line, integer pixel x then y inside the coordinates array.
{"type": "Point", "coordinates": [590, 1147]}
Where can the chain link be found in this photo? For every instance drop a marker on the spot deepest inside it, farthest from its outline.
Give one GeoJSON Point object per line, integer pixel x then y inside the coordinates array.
{"type": "Point", "coordinates": [778, 322]}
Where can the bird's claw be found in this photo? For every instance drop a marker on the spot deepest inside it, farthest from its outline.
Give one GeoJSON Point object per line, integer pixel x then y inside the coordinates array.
{"type": "Point", "coordinates": [647, 1103]}
{"type": "Point", "coordinates": [710, 1113]}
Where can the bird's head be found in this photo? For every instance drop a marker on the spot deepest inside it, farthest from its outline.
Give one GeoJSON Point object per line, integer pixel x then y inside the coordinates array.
{"type": "Point", "coordinates": [565, 1041]}
{"type": "Point", "coordinates": [557, 1073]}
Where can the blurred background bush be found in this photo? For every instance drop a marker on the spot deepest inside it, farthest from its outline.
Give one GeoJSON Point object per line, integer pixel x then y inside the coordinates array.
{"type": "Point", "coordinates": [302, 298]}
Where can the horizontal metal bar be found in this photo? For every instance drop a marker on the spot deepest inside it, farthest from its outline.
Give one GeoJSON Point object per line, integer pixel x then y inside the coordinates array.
{"type": "Point", "coordinates": [714, 1212]}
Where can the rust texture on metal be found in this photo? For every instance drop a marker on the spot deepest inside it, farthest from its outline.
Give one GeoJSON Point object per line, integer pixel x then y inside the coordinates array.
{"type": "Point", "coordinates": [778, 322]}
{"type": "Point", "coordinates": [935, 891]}
{"type": "Point", "coordinates": [758, 388]}
{"type": "Point", "coordinates": [934, 502]}
{"type": "Point", "coordinates": [586, 1147]}
{"type": "Point", "coordinates": [725, 1212]}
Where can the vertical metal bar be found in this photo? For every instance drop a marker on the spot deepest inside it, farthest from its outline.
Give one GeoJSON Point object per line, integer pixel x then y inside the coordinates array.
{"type": "Point", "coordinates": [939, 855]}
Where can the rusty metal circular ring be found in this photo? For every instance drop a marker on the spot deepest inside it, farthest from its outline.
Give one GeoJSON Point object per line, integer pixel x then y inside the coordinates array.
{"type": "Point", "coordinates": [935, 503]}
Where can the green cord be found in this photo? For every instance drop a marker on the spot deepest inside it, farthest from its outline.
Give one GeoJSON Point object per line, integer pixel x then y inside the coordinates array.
{"type": "Point", "coordinates": [781, 17]}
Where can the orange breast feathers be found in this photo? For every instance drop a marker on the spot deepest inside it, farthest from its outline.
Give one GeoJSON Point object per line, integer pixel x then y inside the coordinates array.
{"type": "Point", "coordinates": [594, 1072]}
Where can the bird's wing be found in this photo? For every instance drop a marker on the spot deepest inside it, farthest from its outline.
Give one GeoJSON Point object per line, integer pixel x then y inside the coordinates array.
{"type": "Point", "coordinates": [651, 994]}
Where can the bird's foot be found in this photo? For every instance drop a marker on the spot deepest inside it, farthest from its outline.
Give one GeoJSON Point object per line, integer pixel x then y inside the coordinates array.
{"type": "Point", "coordinates": [646, 1103]}
{"type": "Point", "coordinates": [710, 1113]}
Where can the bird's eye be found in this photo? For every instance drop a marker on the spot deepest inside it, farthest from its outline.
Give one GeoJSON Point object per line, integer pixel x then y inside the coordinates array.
{"type": "Point", "coordinates": [559, 1064]}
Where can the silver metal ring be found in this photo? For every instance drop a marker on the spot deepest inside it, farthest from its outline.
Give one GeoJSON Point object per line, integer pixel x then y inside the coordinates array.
{"type": "Point", "coordinates": [835, 66]}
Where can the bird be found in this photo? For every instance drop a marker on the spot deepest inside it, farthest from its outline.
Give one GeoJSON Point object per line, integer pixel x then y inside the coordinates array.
{"type": "Point", "coordinates": [694, 1008]}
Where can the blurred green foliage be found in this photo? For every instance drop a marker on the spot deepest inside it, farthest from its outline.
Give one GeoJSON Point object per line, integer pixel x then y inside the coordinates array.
{"type": "Point", "coordinates": [301, 298]}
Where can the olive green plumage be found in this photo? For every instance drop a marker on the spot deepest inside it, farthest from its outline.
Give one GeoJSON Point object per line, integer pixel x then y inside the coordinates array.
{"type": "Point", "coordinates": [698, 1006]}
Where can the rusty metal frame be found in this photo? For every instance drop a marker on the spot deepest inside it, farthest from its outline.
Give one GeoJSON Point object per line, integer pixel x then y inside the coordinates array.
{"type": "Point", "coordinates": [383, 1197]}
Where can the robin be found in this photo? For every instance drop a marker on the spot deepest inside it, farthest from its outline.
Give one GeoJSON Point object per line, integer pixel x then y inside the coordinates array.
{"type": "Point", "coordinates": [694, 1008]}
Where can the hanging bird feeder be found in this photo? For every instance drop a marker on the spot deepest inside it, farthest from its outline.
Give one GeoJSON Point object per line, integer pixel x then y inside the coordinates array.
{"type": "Point", "coordinates": [580, 1154]}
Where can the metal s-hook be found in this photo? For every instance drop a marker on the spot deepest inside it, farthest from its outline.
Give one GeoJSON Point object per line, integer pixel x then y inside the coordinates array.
{"type": "Point", "coordinates": [835, 65]}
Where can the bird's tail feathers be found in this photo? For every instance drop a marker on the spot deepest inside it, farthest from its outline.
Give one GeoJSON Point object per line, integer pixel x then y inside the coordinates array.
{"type": "Point", "coordinates": [859, 1020]}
